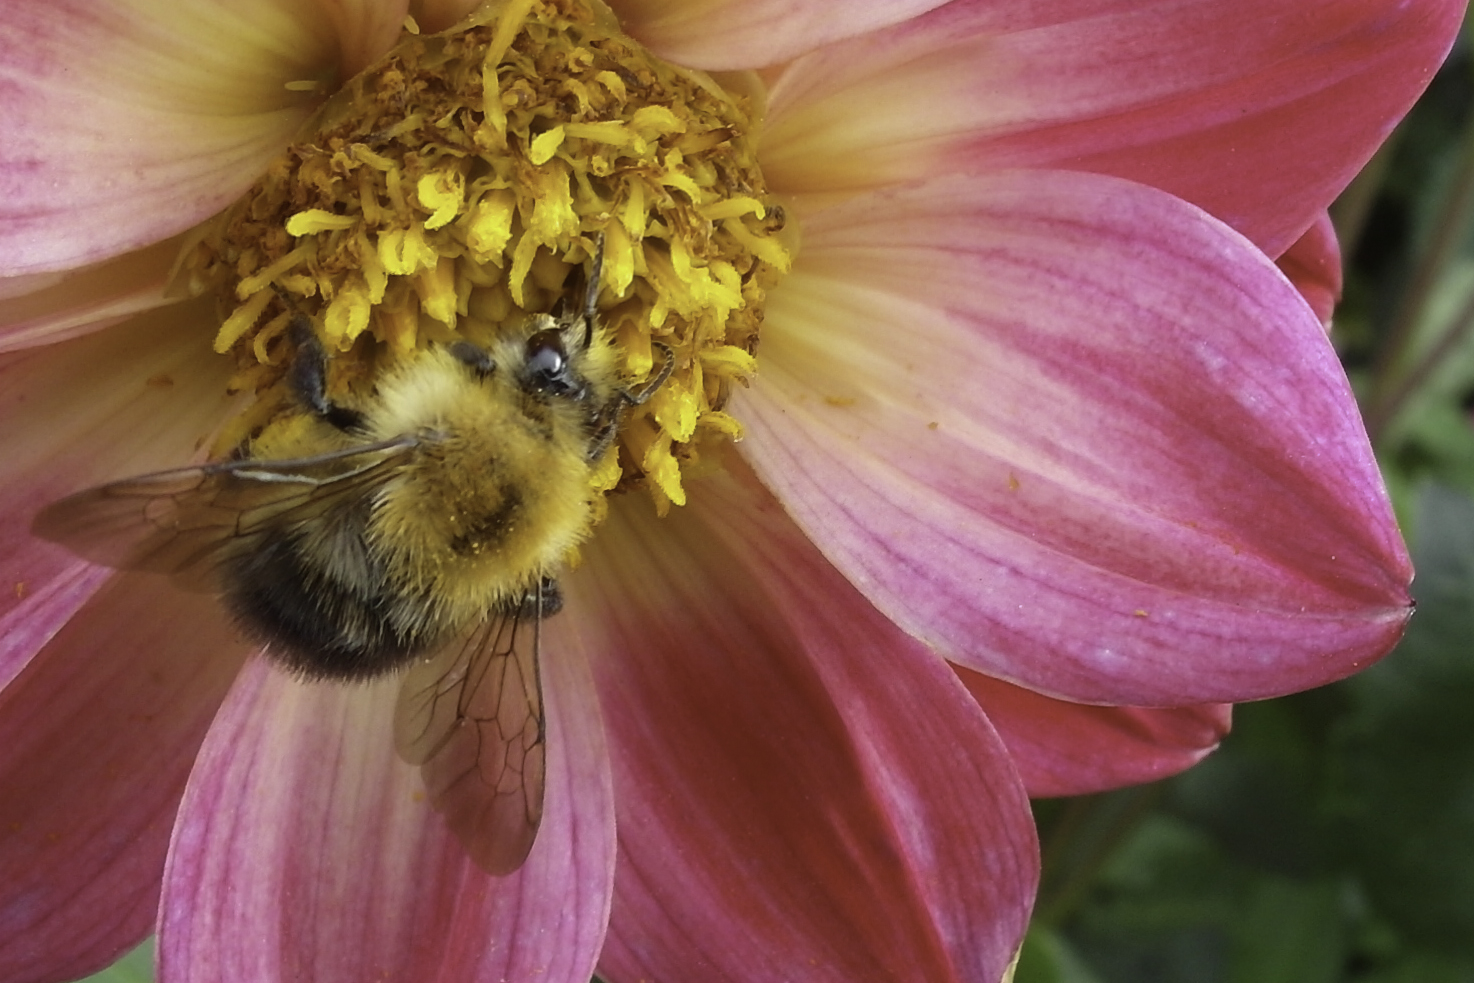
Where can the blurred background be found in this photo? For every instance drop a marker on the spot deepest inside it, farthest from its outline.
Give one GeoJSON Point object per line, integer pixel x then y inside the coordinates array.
{"type": "Point", "coordinates": [1331, 838]}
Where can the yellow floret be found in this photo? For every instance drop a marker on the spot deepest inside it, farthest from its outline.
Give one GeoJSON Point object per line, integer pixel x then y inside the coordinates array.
{"type": "Point", "coordinates": [448, 191]}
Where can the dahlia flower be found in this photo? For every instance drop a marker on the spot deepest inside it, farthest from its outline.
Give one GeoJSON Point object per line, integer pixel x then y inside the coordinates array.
{"type": "Point", "coordinates": [1039, 463]}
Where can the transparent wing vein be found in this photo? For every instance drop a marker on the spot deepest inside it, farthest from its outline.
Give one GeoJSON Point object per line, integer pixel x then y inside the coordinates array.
{"type": "Point", "coordinates": [471, 716]}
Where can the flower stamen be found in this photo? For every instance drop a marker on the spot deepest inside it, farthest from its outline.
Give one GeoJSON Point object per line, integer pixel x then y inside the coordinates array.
{"type": "Point", "coordinates": [446, 192]}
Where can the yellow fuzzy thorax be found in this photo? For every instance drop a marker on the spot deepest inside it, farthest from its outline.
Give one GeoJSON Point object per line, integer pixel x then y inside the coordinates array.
{"type": "Point", "coordinates": [505, 509]}
{"type": "Point", "coordinates": [461, 184]}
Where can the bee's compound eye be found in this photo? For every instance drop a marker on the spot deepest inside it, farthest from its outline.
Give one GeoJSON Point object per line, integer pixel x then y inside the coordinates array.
{"type": "Point", "coordinates": [547, 362]}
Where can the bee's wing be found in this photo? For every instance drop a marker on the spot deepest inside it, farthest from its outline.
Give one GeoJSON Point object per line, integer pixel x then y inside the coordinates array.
{"type": "Point", "coordinates": [471, 716]}
{"type": "Point", "coordinates": [176, 522]}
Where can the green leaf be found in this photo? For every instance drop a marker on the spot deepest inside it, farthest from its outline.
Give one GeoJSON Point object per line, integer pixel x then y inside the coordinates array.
{"type": "Point", "coordinates": [136, 967]}
{"type": "Point", "coordinates": [1048, 957]}
{"type": "Point", "coordinates": [1424, 968]}
{"type": "Point", "coordinates": [1258, 794]}
{"type": "Point", "coordinates": [1162, 909]}
{"type": "Point", "coordinates": [1291, 932]}
{"type": "Point", "coordinates": [1406, 768]}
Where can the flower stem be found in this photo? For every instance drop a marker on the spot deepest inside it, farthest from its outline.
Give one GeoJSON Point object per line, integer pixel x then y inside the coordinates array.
{"type": "Point", "coordinates": [1387, 393]}
{"type": "Point", "coordinates": [1449, 338]}
{"type": "Point", "coordinates": [1082, 841]}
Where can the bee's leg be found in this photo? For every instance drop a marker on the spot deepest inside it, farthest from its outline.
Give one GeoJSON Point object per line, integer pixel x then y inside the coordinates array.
{"type": "Point", "coordinates": [604, 432]}
{"type": "Point", "coordinates": [550, 597]}
{"type": "Point", "coordinates": [591, 292]}
{"type": "Point", "coordinates": [542, 601]}
{"type": "Point", "coordinates": [308, 377]}
{"type": "Point", "coordinates": [635, 399]}
{"type": "Point", "coordinates": [591, 288]}
{"type": "Point", "coordinates": [607, 428]}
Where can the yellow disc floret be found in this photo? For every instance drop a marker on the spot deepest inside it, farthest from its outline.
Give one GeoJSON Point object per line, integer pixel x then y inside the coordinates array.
{"type": "Point", "coordinates": [447, 192]}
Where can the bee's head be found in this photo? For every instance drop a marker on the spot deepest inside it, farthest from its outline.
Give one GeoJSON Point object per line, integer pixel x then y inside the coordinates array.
{"type": "Point", "coordinates": [556, 348]}
{"type": "Point", "coordinates": [550, 358]}
{"type": "Point", "coordinates": [547, 363]}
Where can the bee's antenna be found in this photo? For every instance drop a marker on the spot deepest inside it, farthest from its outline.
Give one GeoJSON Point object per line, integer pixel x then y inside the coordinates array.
{"type": "Point", "coordinates": [591, 292]}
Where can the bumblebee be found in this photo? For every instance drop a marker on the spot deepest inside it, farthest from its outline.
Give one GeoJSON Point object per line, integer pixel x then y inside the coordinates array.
{"type": "Point", "coordinates": [419, 532]}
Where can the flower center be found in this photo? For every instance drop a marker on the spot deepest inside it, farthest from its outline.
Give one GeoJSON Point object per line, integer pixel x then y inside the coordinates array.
{"type": "Point", "coordinates": [447, 193]}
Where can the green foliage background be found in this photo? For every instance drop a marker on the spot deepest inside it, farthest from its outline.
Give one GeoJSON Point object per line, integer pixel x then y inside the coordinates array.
{"type": "Point", "coordinates": [1331, 838]}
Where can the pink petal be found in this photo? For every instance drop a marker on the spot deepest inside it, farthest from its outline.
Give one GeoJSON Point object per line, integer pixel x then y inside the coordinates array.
{"type": "Point", "coordinates": [1257, 112]}
{"type": "Point", "coordinates": [136, 398]}
{"type": "Point", "coordinates": [1313, 265]}
{"type": "Point", "coordinates": [19, 286]}
{"type": "Point", "coordinates": [804, 792]}
{"type": "Point", "coordinates": [735, 34]}
{"type": "Point", "coordinates": [114, 403]}
{"type": "Point", "coordinates": [1072, 749]}
{"type": "Point", "coordinates": [67, 305]}
{"type": "Point", "coordinates": [1078, 435]}
{"type": "Point", "coordinates": [42, 612]}
{"type": "Point", "coordinates": [362, 30]}
{"type": "Point", "coordinates": [127, 121]}
{"type": "Point", "coordinates": [438, 15]}
{"type": "Point", "coordinates": [97, 734]}
{"type": "Point", "coordinates": [306, 850]}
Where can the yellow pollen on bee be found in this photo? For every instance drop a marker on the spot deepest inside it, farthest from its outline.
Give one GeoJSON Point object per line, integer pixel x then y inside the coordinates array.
{"type": "Point", "coordinates": [450, 191]}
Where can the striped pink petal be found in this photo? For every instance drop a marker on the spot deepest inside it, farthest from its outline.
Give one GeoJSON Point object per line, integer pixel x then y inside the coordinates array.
{"type": "Point", "coordinates": [127, 121]}
{"type": "Point", "coordinates": [306, 850]}
{"type": "Point", "coordinates": [1073, 749]}
{"type": "Point", "coordinates": [803, 791]}
{"type": "Point", "coordinates": [98, 730]}
{"type": "Point", "coordinates": [1313, 265]}
{"type": "Point", "coordinates": [1257, 112]}
{"type": "Point", "coordinates": [1080, 436]}
{"type": "Point", "coordinates": [438, 15]}
{"type": "Point", "coordinates": [736, 34]}
{"type": "Point", "coordinates": [136, 398]}
{"type": "Point", "coordinates": [66, 305]}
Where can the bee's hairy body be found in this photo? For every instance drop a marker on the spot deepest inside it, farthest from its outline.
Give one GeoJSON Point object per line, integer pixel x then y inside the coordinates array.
{"type": "Point", "coordinates": [489, 498]}
{"type": "Point", "coordinates": [418, 529]}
